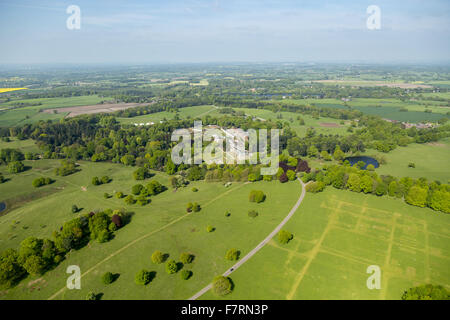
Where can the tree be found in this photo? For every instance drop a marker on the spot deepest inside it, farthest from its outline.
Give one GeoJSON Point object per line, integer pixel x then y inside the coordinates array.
{"type": "Point", "coordinates": [285, 236]}
{"type": "Point", "coordinates": [2, 179]}
{"type": "Point", "coordinates": [154, 188]}
{"type": "Point", "coordinates": [11, 270]}
{"type": "Point", "coordinates": [338, 154]}
{"type": "Point", "coordinates": [108, 278]}
{"type": "Point", "coordinates": [186, 257]}
{"type": "Point", "coordinates": [171, 267]}
{"type": "Point", "coordinates": [291, 175]}
{"type": "Point", "coordinates": [195, 207]}
{"type": "Point", "coordinates": [221, 286]}
{"type": "Point", "coordinates": [129, 199]}
{"type": "Point", "coordinates": [171, 168]}
{"type": "Point", "coordinates": [366, 184]}
{"type": "Point", "coordinates": [140, 174]}
{"type": "Point", "coordinates": [185, 274]}
{"type": "Point", "coordinates": [426, 292]}
{"type": "Point", "coordinates": [417, 196]}
{"type": "Point", "coordinates": [232, 254]}
{"type": "Point", "coordinates": [136, 189]}
{"type": "Point", "coordinates": [353, 182]}
{"type": "Point", "coordinates": [157, 257]}
{"type": "Point", "coordinates": [34, 265]}
{"type": "Point", "coordinates": [127, 160]}
{"type": "Point", "coordinates": [256, 196]}
{"type": "Point", "coordinates": [195, 173]}
{"type": "Point", "coordinates": [143, 277]}
{"type": "Point", "coordinates": [119, 195]}
{"type": "Point", "coordinates": [96, 181]}
{"type": "Point", "coordinates": [16, 167]}
{"type": "Point", "coordinates": [105, 179]}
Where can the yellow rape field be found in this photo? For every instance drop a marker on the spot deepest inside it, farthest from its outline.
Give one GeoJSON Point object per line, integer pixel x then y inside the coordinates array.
{"type": "Point", "coordinates": [10, 89]}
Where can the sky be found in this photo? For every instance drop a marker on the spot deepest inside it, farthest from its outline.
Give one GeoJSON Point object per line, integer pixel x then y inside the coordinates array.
{"type": "Point", "coordinates": [199, 31]}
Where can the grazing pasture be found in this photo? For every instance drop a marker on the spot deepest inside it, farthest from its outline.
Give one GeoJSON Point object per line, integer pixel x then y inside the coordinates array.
{"type": "Point", "coordinates": [337, 236]}
{"type": "Point", "coordinates": [161, 225]}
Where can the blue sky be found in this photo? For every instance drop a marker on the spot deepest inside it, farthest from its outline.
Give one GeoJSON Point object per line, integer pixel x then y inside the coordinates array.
{"type": "Point", "coordinates": [174, 31]}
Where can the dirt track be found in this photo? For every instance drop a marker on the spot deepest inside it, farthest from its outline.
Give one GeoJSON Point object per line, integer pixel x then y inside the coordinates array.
{"type": "Point", "coordinates": [98, 108]}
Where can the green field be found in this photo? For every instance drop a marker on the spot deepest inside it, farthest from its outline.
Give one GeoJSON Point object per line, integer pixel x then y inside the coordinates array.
{"type": "Point", "coordinates": [431, 161]}
{"type": "Point", "coordinates": [193, 112]}
{"type": "Point", "coordinates": [29, 114]}
{"type": "Point", "coordinates": [386, 108]}
{"type": "Point", "coordinates": [337, 235]}
{"type": "Point", "coordinates": [291, 118]}
{"type": "Point", "coordinates": [161, 225]}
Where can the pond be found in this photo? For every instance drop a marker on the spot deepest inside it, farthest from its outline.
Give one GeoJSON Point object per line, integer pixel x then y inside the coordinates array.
{"type": "Point", "coordinates": [2, 206]}
{"type": "Point", "coordinates": [365, 159]}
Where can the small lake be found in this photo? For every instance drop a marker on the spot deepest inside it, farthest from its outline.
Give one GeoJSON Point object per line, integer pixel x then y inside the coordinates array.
{"type": "Point", "coordinates": [366, 160]}
{"type": "Point", "coordinates": [2, 206]}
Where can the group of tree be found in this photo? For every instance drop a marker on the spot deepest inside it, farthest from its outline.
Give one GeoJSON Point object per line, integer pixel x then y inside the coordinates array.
{"type": "Point", "coordinates": [35, 256]}
{"type": "Point", "coordinates": [417, 192]}
{"type": "Point", "coordinates": [38, 182]}
{"type": "Point", "coordinates": [96, 181]}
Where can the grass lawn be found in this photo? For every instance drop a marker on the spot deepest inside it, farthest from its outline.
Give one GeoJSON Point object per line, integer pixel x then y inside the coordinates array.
{"type": "Point", "coordinates": [27, 145]}
{"type": "Point", "coordinates": [431, 161]}
{"type": "Point", "coordinates": [161, 225]}
{"type": "Point", "coordinates": [337, 235]}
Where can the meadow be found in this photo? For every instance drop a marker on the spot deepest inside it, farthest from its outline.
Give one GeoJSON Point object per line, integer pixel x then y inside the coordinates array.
{"type": "Point", "coordinates": [193, 112]}
{"type": "Point", "coordinates": [13, 116]}
{"type": "Point", "coordinates": [431, 161]}
{"type": "Point", "coordinates": [161, 225]}
{"type": "Point", "coordinates": [337, 235]}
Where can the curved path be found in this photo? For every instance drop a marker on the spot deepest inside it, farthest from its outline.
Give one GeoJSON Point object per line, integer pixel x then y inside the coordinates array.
{"type": "Point", "coordinates": [260, 245]}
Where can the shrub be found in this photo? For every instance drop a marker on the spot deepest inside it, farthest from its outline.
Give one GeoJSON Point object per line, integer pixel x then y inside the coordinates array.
{"type": "Point", "coordinates": [189, 207]}
{"type": "Point", "coordinates": [171, 267]}
{"type": "Point", "coordinates": [227, 214]}
{"type": "Point", "coordinates": [256, 196]}
{"type": "Point", "coordinates": [143, 277]}
{"type": "Point", "coordinates": [411, 165]}
{"type": "Point", "coordinates": [74, 209]}
{"type": "Point", "coordinates": [2, 179]}
{"type": "Point", "coordinates": [142, 200]}
{"type": "Point", "coordinates": [285, 236]}
{"type": "Point", "coordinates": [154, 188]}
{"type": "Point", "coordinates": [194, 189]}
{"type": "Point", "coordinates": [112, 227]}
{"type": "Point", "coordinates": [210, 228]}
{"type": "Point", "coordinates": [106, 195]}
{"type": "Point", "coordinates": [221, 286]}
{"type": "Point", "coordinates": [91, 296]}
{"type": "Point", "coordinates": [108, 278]}
{"type": "Point", "coordinates": [185, 274]}
{"type": "Point", "coordinates": [41, 182]}
{"type": "Point", "coordinates": [157, 257]}
{"type": "Point", "coordinates": [186, 257]}
{"type": "Point", "coordinates": [232, 254]}
{"type": "Point", "coordinates": [370, 167]}
{"type": "Point", "coordinates": [252, 214]}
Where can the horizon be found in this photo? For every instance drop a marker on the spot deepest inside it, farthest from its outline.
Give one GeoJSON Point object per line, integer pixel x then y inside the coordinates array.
{"type": "Point", "coordinates": [219, 32]}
